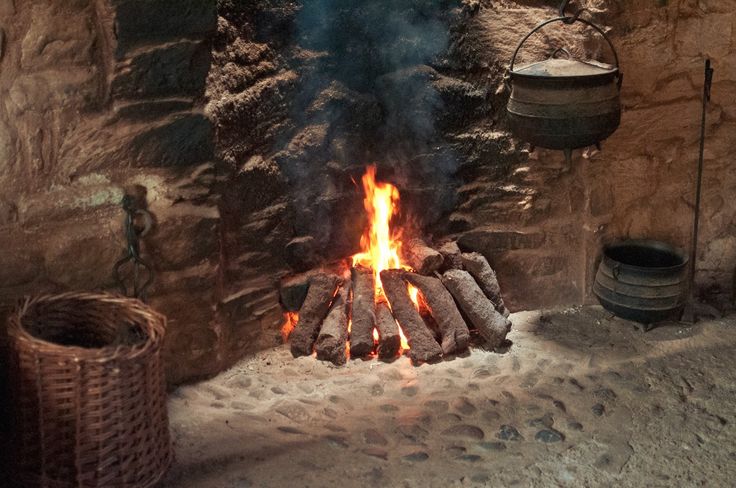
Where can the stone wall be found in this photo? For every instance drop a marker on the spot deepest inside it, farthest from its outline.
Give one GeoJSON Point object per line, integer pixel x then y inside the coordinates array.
{"type": "Point", "coordinates": [100, 98]}
{"type": "Point", "coordinates": [244, 129]}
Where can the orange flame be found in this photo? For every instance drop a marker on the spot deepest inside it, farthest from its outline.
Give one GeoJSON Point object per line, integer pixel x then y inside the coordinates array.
{"type": "Point", "coordinates": [380, 247]}
{"type": "Point", "coordinates": [380, 244]}
{"type": "Point", "coordinates": [290, 320]}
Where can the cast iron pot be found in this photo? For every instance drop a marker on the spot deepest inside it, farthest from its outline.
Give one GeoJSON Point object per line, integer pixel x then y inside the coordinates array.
{"type": "Point", "coordinates": [564, 103]}
{"type": "Point", "coordinates": [642, 280]}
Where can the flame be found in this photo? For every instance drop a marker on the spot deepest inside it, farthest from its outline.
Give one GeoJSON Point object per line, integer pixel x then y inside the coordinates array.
{"type": "Point", "coordinates": [380, 244]}
{"type": "Point", "coordinates": [290, 320]}
{"type": "Point", "coordinates": [380, 247]}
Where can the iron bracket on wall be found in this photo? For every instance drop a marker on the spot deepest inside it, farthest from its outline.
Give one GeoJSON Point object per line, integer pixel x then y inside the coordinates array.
{"type": "Point", "coordinates": [138, 222]}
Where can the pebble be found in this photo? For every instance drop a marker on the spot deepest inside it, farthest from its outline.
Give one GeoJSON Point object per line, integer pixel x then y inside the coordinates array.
{"type": "Point", "coordinates": [576, 384]}
{"type": "Point", "coordinates": [376, 452]}
{"type": "Point", "coordinates": [549, 436]}
{"type": "Point", "coordinates": [546, 421]}
{"type": "Point", "coordinates": [450, 418]}
{"type": "Point", "coordinates": [239, 382]}
{"type": "Point", "coordinates": [278, 390]}
{"type": "Point", "coordinates": [509, 433]}
{"type": "Point", "coordinates": [493, 446]}
{"type": "Point", "coordinates": [377, 390]}
{"type": "Point", "coordinates": [305, 387]}
{"type": "Point", "coordinates": [217, 405]}
{"type": "Point", "coordinates": [409, 391]}
{"type": "Point", "coordinates": [336, 441]}
{"type": "Point", "coordinates": [237, 405]}
{"type": "Point", "coordinates": [417, 456]}
{"type": "Point", "coordinates": [471, 458]}
{"type": "Point", "coordinates": [413, 432]}
{"type": "Point", "coordinates": [560, 405]}
{"type": "Point", "coordinates": [598, 409]}
{"type": "Point", "coordinates": [218, 392]}
{"type": "Point", "coordinates": [464, 430]}
{"type": "Point", "coordinates": [481, 373]}
{"type": "Point", "coordinates": [331, 413]}
{"type": "Point", "coordinates": [457, 450]}
{"type": "Point", "coordinates": [491, 415]}
{"type": "Point", "coordinates": [372, 436]}
{"type": "Point", "coordinates": [437, 405]}
{"type": "Point", "coordinates": [605, 394]}
{"type": "Point", "coordinates": [290, 430]}
{"type": "Point", "coordinates": [297, 413]}
{"type": "Point", "coordinates": [464, 406]}
{"type": "Point", "coordinates": [575, 426]}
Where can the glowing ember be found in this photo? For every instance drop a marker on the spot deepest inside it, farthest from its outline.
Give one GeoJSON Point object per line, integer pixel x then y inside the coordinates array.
{"type": "Point", "coordinates": [290, 320]}
{"type": "Point", "coordinates": [380, 244]}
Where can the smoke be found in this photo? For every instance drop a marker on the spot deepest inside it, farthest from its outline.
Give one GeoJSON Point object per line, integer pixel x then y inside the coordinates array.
{"type": "Point", "coordinates": [367, 74]}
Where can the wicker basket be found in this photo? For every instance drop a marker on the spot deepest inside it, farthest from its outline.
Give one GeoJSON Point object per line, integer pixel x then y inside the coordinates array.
{"type": "Point", "coordinates": [89, 385]}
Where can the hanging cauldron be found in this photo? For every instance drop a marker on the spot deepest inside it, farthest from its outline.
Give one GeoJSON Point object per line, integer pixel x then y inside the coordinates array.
{"type": "Point", "coordinates": [561, 102]}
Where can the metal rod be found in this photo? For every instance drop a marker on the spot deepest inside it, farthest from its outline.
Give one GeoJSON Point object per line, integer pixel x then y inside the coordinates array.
{"type": "Point", "coordinates": [698, 189]}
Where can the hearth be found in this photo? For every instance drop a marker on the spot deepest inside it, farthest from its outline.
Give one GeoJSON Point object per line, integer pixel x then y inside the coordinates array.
{"type": "Point", "coordinates": [394, 296]}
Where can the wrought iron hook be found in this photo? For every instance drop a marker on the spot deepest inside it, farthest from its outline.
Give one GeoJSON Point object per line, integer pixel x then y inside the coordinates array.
{"type": "Point", "coordinates": [133, 250]}
{"type": "Point", "coordinates": [570, 19]}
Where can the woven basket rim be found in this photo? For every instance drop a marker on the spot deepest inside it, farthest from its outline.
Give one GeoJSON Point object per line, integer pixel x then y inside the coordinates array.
{"type": "Point", "coordinates": [152, 322]}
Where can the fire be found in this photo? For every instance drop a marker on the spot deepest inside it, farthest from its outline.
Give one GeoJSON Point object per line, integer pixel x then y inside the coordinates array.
{"type": "Point", "coordinates": [380, 244]}
{"type": "Point", "coordinates": [380, 247]}
{"type": "Point", "coordinates": [290, 320]}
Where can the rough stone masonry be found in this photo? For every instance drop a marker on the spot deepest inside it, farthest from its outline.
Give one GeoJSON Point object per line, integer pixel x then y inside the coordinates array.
{"type": "Point", "coordinates": [194, 104]}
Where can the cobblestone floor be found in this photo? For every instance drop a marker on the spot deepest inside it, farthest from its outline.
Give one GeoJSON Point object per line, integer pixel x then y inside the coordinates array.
{"type": "Point", "coordinates": [580, 399]}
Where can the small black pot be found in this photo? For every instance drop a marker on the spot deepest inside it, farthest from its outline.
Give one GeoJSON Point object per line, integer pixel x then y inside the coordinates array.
{"type": "Point", "coordinates": [642, 280]}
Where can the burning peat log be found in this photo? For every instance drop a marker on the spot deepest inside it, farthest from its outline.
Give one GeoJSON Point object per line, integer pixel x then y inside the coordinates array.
{"type": "Point", "coordinates": [333, 336]}
{"type": "Point", "coordinates": [314, 309]}
{"type": "Point", "coordinates": [363, 312]}
{"type": "Point", "coordinates": [451, 254]}
{"type": "Point", "coordinates": [422, 258]}
{"type": "Point", "coordinates": [389, 339]}
{"type": "Point", "coordinates": [422, 345]}
{"type": "Point", "coordinates": [477, 307]}
{"type": "Point", "coordinates": [477, 265]}
{"type": "Point", "coordinates": [455, 334]}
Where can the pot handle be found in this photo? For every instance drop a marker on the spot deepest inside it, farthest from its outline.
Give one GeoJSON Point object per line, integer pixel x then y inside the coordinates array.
{"type": "Point", "coordinates": [559, 50]}
{"type": "Point", "coordinates": [567, 21]}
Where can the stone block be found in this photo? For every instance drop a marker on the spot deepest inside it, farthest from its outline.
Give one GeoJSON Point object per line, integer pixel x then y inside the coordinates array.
{"type": "Point", "coordinates": [145, 21]}
{"type": "Point", "coordinates": [251, 317]}
{"type": "Point", "coordinates": [22, 259]}
{"type": "Point", "coordinates": [151, 109]}
{"type": "Point", "coordinates": [183, 236]}
{"type": "Point", "coordinates": [57, 38]}
{"type": "Point", "coordinates": [302, 253]}
{"type": "Point", "coordinates": [82, 257]}
{"type": "Point", "coordinates": [182, 141]}
{"type": "Point", "coordinates": [91, 194]}
{"type": "Point", "coordinates": [489, 240]}
{"type": "Point", "coordinates": [709, 35]}
{"type": "Point", "coordinates": [177, 69]}
{"type": "Point", "coordinates": [74, 88]}
{"type": "Point", "coordinates": [191, 345]}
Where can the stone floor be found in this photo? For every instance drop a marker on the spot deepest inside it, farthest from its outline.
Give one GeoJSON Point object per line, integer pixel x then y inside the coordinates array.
{"type": "Point", "coordinates": [580, 399]}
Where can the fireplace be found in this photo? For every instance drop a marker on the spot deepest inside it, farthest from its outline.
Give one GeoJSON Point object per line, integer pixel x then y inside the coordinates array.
{"type": "Point", "coordinates": [245, 127]}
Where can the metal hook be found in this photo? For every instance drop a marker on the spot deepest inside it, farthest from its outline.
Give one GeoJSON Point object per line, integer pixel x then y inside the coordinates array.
{"type": "Point", "coordinates": [132, 250]}
{"type": "Point", "coordinates": [570, 19]}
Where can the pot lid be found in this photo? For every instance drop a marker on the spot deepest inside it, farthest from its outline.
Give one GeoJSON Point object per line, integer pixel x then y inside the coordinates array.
{"type": "Point", "coordinates": [565, 68]}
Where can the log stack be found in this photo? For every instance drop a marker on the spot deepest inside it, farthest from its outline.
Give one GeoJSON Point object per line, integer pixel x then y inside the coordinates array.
{"type": "Point", "coordinates": [342, 317]}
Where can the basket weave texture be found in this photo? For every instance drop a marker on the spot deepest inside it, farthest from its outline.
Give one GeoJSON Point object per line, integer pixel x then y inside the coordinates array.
{"type": "Point", "coordinates": [89, 415]}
